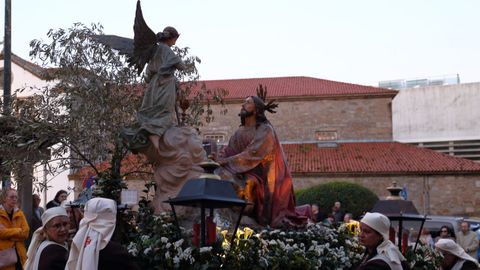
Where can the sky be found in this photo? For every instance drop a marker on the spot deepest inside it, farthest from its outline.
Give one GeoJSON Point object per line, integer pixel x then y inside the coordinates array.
{"type": "Point", "coordinates": [353, 41]}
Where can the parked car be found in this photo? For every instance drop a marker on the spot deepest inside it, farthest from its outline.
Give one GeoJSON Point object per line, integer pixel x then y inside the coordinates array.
{"type": "Point", "coordinates": [434, 223]}
{"type": "Point", "coordinates": [474, 223]}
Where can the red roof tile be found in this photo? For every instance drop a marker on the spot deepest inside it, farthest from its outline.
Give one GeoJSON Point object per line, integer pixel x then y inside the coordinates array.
{"type": "Point", "coordinates": [390, 158]}
{"type": "Point", "coordinates": [284, 87]}
{"type": "Point", "coordinates": [357, 159]}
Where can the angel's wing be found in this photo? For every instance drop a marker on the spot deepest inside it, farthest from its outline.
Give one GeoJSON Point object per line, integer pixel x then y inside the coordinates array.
{"type": "Point", "coordinates": [144, 42]}
{"type": "Point", "coordinates": [121, 44]}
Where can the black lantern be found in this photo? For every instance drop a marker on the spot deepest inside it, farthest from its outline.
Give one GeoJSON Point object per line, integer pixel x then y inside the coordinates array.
{"type": "Point", "coordinates": [208, 192]}
{"type": "Point", "coordinates": [402, 212]}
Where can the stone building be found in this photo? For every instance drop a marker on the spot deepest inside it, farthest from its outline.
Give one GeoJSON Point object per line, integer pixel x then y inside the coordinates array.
{"type": "Point", "coordinates": [436, 183]}
{"type": "Point", "coordinates": [310, 109]}
{"type": "Point", "coordinates": [334, 131]}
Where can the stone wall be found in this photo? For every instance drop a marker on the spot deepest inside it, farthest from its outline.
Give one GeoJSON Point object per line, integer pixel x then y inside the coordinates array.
{"type": "Point", "coordinates": [299, 120]}
{"type": "Point", "coordinates": [433, 195]}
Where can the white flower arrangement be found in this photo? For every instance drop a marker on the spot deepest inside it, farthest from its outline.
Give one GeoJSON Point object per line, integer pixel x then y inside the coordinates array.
{"type": "Point", "coordinates": [312, 248]}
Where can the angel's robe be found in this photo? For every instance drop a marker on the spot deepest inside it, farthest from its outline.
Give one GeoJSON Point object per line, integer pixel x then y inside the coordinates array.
{"type": "Point", "coordinates": [256, 154]}
{"type": "Point", "coordinates": [157, 112]}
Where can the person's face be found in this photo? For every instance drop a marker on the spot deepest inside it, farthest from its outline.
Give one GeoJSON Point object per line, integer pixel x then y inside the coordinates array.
{"type": "Point", "coordinates": [444, 232]}
{"type": "Point", "coordinates": [62, 197]}
{"type": "Point", "coordinates": [171, 42]}
{"type": "Point", "coordinates": [369, 237]}
{"type": "Point", "coordinates": [248, 106]}
{"type": "Point", "coordinates": [314, 209]}
{"type": "Point", "coordinates": [347, 218]}
{"type": "Point", "coordinates": [337, 205]}
{"type": "Point", "coordinates": [465, 228]}
{"type": "Point", "coordinates": [36, 200]}
{"type": "Point", "coordinates": [11, 199]}
{"type": "Point", "coordinates": [57, 229]}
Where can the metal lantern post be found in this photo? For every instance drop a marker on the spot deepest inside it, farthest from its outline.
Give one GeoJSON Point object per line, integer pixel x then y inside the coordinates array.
{"type": "Point", "coordinates": [404, 219]}
{"type": "Point", "coordinates": [208, 192]}
{"type": "Point", "coordinates": [402, 211]}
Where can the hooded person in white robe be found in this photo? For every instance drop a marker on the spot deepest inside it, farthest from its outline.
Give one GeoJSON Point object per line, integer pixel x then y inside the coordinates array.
{"type": "Point", "coordinates": [92, 247]}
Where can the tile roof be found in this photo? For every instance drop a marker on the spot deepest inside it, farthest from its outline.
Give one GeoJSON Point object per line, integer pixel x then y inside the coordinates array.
{"type": "Point", "coordinates": [352, 159]}
{"type": "Point", "coordinates": [378, 158]}
{"type": "Point", "coordinates": [278, 87]}
{"type": "Point", "coordinates": [285, 87]}
{"type": "Point", "coordinates": [36, 70]}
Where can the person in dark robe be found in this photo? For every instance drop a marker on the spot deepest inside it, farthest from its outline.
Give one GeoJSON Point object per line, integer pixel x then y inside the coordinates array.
{"type": "Point", "coordinates": [59, 198]}
{"type": "Point", "coordinates": [380, 253]}
{"type": "Point", "coordinates": [37, 212]}
{"type": "Point", "coordinates": [254, 153]}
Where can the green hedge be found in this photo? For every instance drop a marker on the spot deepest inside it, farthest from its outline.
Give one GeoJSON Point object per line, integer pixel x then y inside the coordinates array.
{"type": "Point", "coordinates": [355, 198]}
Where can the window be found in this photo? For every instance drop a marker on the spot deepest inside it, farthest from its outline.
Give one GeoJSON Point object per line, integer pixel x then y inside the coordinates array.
{"type": "Point", "coordinates": [217, 137]}
{"type": "Point", "coordinates": [464, 149]}
{"type": "Point", "coordinates": [326, 135]}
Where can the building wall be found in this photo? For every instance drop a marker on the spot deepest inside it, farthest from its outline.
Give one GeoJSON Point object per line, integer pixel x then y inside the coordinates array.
{"type": "Point", "coordinates": [137, 184]}
{"type": "Point", "coordinates": [434, 195]}
{"type": "Point", "coordinates": [21, 78]}
{"type": "Point", "coordinates": [30, 85]}
{"type": "Point", "coordinates": [351, 119]}
{"type": "Point", "coordinates": [437, 113]}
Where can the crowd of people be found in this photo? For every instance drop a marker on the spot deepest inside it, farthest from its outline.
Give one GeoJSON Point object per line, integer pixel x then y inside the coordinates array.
{"type": "Point", "coordinates": [381, 253]}
{"type": "Point", "coordinates": [51, 246]}
{"type": "Point", "coordinates": [93, 246]}
{"type": "Point", "coordinates": [337, 215]}
{"type": "Point", "coordinates": [373, 232]}
{"type": "Point", "coordinates": [463, 245]}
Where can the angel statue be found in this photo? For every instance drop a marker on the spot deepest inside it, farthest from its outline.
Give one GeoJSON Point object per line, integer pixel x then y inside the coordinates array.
{"type": "Point", "coordinates": [176, 151]}
{"type": "Point", "coordinates": [157, 112]}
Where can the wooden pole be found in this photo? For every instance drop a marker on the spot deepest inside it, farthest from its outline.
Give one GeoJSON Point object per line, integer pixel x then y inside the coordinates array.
{"type": "Point", "coordinates": [7, 77]}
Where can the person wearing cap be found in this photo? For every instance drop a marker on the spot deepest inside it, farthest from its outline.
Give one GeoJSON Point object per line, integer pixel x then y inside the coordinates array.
{"type": "Point", "coordinates": [380, 252]}
{"type": "Point", "coordinates": [92, 247]}
{"type": "Point", "coordinates": [454, 257]}
{"type": "Point", "coordinates": [48, 249]}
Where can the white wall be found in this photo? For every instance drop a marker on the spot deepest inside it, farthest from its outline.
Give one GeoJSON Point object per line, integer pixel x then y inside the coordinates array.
{"type": "Point", "coordinates": [437, 113]}
{"type": "Point", "coordinates": [22, 78]}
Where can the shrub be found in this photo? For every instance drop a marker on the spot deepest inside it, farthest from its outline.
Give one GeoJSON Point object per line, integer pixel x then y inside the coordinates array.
{"type": "Point", "coordinates": [355, 199]}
